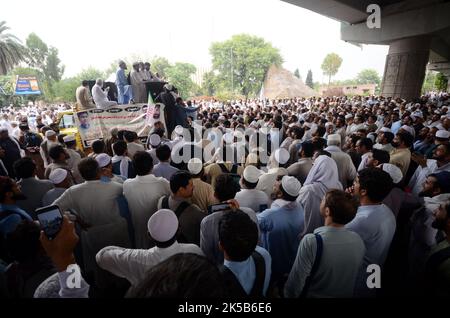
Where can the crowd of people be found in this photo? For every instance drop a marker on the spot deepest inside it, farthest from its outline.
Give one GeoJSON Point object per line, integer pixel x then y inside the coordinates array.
{"type": "Point", "coordinates": [304, 197]}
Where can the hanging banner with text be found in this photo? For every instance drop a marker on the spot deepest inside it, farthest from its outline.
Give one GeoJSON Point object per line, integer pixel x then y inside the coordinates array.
{"type": "Point", "coordinates": [96, 124]}
{"type": "Point", "coordinates": [26, 85]}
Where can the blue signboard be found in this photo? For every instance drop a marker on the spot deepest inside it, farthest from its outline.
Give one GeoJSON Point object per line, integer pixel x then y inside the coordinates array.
{"type": "Point", "coordinates": [27, 85]}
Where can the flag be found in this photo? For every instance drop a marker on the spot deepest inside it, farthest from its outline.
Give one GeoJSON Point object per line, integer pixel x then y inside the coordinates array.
{"type": "Point", "coordinates": [150, 99]}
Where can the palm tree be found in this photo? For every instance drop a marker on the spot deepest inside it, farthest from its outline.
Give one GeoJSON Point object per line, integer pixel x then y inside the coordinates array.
{"type": "Point", "coordinates": [12, 52]}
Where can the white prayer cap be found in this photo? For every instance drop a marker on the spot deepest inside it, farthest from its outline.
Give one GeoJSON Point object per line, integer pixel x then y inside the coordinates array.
{"type": "Point", "coordinates": [103, 160]}
{"type": "Point", "coordinates": [291, 185]}
{"type": "Point", "coordinates": [418, 114]}
{"type": "Point", "coordinates": [281, 155]}
{"type": "Point", "coordinates": [58, 175]}
{"type": "Point", "coordinates": [69, 138]}
{"type": "Point", "coordinates": [228, 138]}
{"type": "Point", "coordinates": [409, 129]}
{"type": "Point", "coordinates": [163, 225]}
{"type": "Point", "coordinates": [348, 116]}
{"type": "Point", "coordinates": [334, 137]}
{"type": "Point", "coordinates": [155, 140]}
{"type": "Point", "coordinates": [443, 134]}
{"type": "Point", "coordinates": [394, 171]}
{"type": "Point", "coordinates": [179, 130]}
{"type": "Point", "coordinates": [221, 117]}
{"type": "Point", "coordinates": [49, 133]}
{"type": "Point", "coordinates": [328, 124]}
{"type": "Point", "coordinates": [385, 129]}
{"type": "Point", "coordinates": [195, 166]}
{"type": "Point", "coordinates": [169, 87]}
{"type": "Point", "coordinates": [252, 174]}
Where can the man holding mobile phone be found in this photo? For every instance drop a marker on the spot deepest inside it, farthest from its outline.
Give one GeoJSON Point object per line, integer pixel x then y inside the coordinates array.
{"type": "Point", "coordinates": [60, 250]}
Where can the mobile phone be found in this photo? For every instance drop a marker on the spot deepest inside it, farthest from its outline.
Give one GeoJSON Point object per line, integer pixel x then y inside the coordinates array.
{"type": "Point", "coordinates": [218, 207]}
{"type": "Point", "coordinates": [50, 219]}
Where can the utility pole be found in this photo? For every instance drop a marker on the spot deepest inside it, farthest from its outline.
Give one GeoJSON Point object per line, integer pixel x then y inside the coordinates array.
{"type": "Point", "coordinates": [232, 71]}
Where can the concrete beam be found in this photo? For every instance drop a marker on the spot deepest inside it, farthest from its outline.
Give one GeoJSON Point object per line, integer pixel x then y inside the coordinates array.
{"type": "Point", "coordinates": [402, 25]}
{"type": "Point", "coordinates": [333, 9]}
{"type": "Point", "coordinates": [438, 66]}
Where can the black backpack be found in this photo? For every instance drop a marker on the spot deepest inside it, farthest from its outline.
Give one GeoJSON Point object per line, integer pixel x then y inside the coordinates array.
{"type": "Point", "coordinates": [233, 173]}
{"type": "Point", "coordinates": [180, 209]}
{"type": "Point", "coordinates": [234, 287]}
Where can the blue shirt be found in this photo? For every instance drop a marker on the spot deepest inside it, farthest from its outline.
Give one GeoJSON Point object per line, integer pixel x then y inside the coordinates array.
{"type": "Point", "coordinates": [245, 271]}
{"type": "Point", "coordinates": [375, 224]}
{"type": "Point", "coordinates": [165, 170]}
{"type": "Point", "coordinates": [280, 234]}
{"type": "Point", "coordinates": [396, 126]}
{"type": "Point", "coordinates": [121, 79]}
{"type": "Point", "coordinates": [10, 223]}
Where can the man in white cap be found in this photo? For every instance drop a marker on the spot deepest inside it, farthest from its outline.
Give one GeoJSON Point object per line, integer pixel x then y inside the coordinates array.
{"type": "Point", "coordinates": [346, 168]}
{"type": "Point", "coordinates": [62, 181]}
{"type": "Point", "coordinates": [281, 228]}
{"type": "Point", "coordinates": [278, 163]}
{"type": "Point", "coordinates": [384, 139]}
{"type": "Point", "coordinates": [74, 157]}
{"type": "Point", "coordinates": [133, 264]}
{"type": "Point", "coordinates": [49, 141]}
{"type": "Point", "coordinates": [203, 195]}
{"type": "Point", "coordinates": [142, 194]}
{"type": "Point", "coordinates": [441, 138]}
{"type": "Point", "coordinates": [341, 255]}
{"type": "Point", "coordinates": [440, 162]}
{"type": "Point", "coordinates": [97, 204]}
{"type": "Point", "coordinates": [105, 165]}
{"type": "Point", "coordinates": [154, 141]}
{"type": "Point", "coordinates": [350, 124]}
{"type": "Point", "coordinates": [249, 196]}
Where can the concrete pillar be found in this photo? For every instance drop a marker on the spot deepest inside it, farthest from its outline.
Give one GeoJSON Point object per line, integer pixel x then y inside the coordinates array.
{"type": "Point", "coordinates": [404, 71]}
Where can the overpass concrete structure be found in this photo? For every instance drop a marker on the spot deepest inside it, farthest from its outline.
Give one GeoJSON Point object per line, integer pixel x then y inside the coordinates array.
{"type": "Point", "coordinates": [417, 32]}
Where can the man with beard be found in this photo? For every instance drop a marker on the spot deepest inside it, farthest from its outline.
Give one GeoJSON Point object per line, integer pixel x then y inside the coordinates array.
{"type": "Point", "coordinates": [435, 191]}
{"type": "Point", "coordinates": [384, 139]}
{"type": "Point", "coordinates": [439, 163]}
{"type": "Point", "coordinates": [437, 268]}
{"type": "Point", "coordinates": [401, 155]}
{"type": "Point", "coordinates": [10, 214]}
{"type": "Point", "coordinates": [168, 100]}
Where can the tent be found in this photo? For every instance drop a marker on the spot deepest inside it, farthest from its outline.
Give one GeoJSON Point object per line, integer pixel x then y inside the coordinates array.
{"type": "Point", "coordinates": [280, 83]}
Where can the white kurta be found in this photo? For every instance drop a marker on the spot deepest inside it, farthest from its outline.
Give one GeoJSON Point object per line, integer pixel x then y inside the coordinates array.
{"type": "Point", "coordinates": [133, 264]}
{"type": "Point", "coordinates": [252, 198]}
{"type": "Point", "coordinates": [142, 194]}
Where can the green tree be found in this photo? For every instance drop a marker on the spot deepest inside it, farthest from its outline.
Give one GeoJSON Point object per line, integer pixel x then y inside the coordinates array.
{"type": "Point", "coordinates": [209, 84]}
{"type": "Point", "coordinates": [309, 79]}
{"type": "Point", "coordinates": [331, 65]}
{"type": "Point", "coordinates": [90, 74]}
{"type": "Point", "coordinates": [52, 69]}
{"type": "Point", "coordinates": [64, 90]}
{"type": "Point", "coordinates": [160, 65]}
{"type": "Point", "coordinates": [368, 76]}
{"type": "Point", "coordinates": [441, 82]}
{"type": "Point", "coordinates": [44, 59]}
{"type": "Point", "coordinates": [297, 73]}
{"type": "Point", "coordinates": [179, 75]}
{"type": "Point", "coordinates": [37, 51]}
{"type": "Point", "coordinates": [12, 52]}
{"type": "Point", "coordinates": [428, 83]}
{"type": "Point", "coordinates": [242, 62]}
